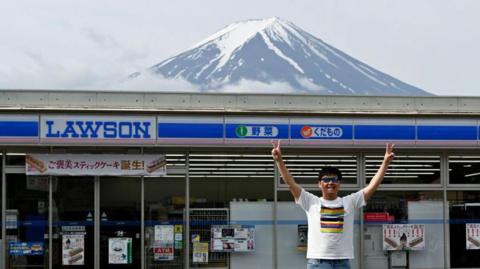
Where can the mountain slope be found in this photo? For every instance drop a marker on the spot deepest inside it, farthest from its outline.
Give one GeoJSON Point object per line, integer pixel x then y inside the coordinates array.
{"type": "Point", "coordinates": [274, 50]}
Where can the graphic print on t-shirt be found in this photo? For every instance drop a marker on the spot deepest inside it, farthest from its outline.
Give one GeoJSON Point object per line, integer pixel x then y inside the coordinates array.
{"type": "Point", "coordinates": [331, 219]}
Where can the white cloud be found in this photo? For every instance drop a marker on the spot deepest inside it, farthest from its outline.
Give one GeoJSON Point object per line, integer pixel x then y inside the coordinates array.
{"type": "Point", "coordinates": [150, 82]}
{"type": "Point", "coordinates": [248, 86]}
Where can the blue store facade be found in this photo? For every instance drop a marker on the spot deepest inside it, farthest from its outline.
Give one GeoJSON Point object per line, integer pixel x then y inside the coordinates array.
{"type": "Point", "coordinates": [221, 203]}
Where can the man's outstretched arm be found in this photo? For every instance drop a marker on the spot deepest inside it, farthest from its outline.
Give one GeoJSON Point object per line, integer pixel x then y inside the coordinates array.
{"type": "Point", "coordinates": [295, 189]}
{"type": "Point", "coordinates": [378, 178]}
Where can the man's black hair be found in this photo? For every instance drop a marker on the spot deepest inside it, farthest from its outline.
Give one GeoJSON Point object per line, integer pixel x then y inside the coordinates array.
{"type": "Point", "coordinates": [330, 170]}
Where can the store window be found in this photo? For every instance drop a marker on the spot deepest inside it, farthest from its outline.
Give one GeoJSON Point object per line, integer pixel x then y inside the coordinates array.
{"type": "Point", "coordinates": [464, 219]}
{"type": "Point", "coordinates": [404, 229]}
{"type": "Point", "coordinates": [292, 232]}
{"type": "Point", "coordinates": [27, 221]}
{"type": "Point", "coordinates": [73, 222]}
{"type": "Point", "coordinates": [231, 218]}
{"type": "Point", "coordinates": [305, 167]}
{"type": "Point", "coordinates": [164, 214]}
{"type": "Point", "coordinates": [406, 169]}
{"type": "Point", "coordinates": [464, 169]}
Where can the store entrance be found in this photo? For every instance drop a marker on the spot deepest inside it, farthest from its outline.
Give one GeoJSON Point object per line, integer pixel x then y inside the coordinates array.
{"type": "Point", "coordinates": [73, 222]}
{"type": "Point", "coordinates": [120, 222]}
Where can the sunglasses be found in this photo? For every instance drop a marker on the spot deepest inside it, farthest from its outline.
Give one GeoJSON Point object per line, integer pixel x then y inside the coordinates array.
{"type": "Point", "coordinates": [330, 179]}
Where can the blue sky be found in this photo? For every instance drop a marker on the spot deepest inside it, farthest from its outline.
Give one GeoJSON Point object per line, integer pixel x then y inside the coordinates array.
{"type": "Point", "coordinates": [58, 44]}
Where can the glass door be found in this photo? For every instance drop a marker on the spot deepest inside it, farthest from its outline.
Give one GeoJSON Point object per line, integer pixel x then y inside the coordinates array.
{"type": "Point", "coordinates": [73, 229]}
{"type": "Point", "coordinates": [27, 221]}
{"type": "Point", "coordinates": [120, 222]}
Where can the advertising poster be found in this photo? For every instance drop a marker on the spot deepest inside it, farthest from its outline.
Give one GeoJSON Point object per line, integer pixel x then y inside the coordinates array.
{"type": "Point", "coordinates": [11, 219]}
{"type": "Point", "coordinates": [178, 237]}
{"type": "Point", "coordinates": [163, 243]}
{"type": "Point", "coordinates": [472, 231]}
{"type": "Point", "coordinates": [403, 236]}
{"type": "Point", "coordinates": [120, 250]}
{"type": "Point", "coordinates": [164, 234]}
{"type": "Point", "coordinates": [200, 252]}
{"type": "Point", "coordinates": [302, 235]}
{"type": "Point", "coordinates": [95, 165]}
{"type": "Point", "coordinates": [25, 248]}
{"type": "Point", "coordinates": [73, 249]}
{"type": "Point", "coordinates": [232, 238]}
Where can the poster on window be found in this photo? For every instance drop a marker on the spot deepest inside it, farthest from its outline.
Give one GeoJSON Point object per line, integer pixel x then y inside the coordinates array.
{"type": "Point", "coordinates": [120, 250]}
{"type": "Point", "coordinates": [200, 252]}
{"type": "Point", "coordinates": [164, 234]}
{"type": "Point", "coordinates": [73, 249]}
{"type": "Point", "coordinates": [302, 235]}
{"type": "Point", "coordinates": [95, 165]}
{"type": "Point", "coordinates": [403, 236]}
{"type": "Point", "coordinates": [25, 248]}
{"type": "Point", "coordinates": [232, 238]}
{"type": "Point", "coordinates": [163, 253]}
{"type": "Point", "coordinates": [473, 235]}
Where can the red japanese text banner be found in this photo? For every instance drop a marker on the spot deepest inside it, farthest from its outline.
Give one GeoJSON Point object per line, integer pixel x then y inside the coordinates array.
{"type": "Point", "coordinates": [96, 164]}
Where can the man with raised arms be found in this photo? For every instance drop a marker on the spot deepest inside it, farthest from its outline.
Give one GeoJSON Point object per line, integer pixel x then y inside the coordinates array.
{"type": "Point", "coordinates": [330, 218]}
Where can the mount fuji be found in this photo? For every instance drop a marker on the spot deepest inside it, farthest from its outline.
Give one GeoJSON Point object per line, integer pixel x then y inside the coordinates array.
{"type": "Point", "coordinates": [275, 52]}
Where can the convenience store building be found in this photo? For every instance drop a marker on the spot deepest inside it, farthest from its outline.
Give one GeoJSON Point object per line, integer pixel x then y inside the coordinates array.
{"type": "Point", "coordinates": [186, 180]}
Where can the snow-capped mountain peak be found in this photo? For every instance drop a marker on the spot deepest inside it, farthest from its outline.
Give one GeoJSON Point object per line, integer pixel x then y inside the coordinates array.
{"type": "Point", "coordinates": [275, 50]}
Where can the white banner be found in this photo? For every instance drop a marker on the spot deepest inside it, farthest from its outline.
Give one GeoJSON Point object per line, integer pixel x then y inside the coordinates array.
{"type": "Point", "coordinates": [473, 235]}
{"type": "Point", "coordinates": [96, 165]}
{"type": "Point", "coordinates": [404, 236]}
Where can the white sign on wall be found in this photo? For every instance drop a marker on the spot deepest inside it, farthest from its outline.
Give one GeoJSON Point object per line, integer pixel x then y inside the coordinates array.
{"type": "Point", "coordinates": [404, 236]}
{"type": "Point", "coordinates": [95, 164]}
{"type": "Point", "coordinates": [472, 231]}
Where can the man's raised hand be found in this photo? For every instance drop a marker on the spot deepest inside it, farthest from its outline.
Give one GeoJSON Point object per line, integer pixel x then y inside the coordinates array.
{"type": "Point", "coordinates": [389, 154]}
{"type": "Point", "coordinates": [276, 152]}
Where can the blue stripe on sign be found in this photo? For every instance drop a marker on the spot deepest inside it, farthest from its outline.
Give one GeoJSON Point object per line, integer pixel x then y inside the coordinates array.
{"type": "Point", "coordinates": [401, 132]}
{"type": "Point", "coordinates": [190, 130]}
{"type": "Point", "coordinates": [257, 131]}
{"type": "Point", "coordinates": [447, 132]}
{"type": "Point", "coordinates": [321, 131]}
{"type": "Point", "coordinates": [19, 128]}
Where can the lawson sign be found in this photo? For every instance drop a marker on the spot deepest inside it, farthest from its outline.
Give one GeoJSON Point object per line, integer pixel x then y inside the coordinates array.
{"type": "Point", "coordinates": [101, 129]}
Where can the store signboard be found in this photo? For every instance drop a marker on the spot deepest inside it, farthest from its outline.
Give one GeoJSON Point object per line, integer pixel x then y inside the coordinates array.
{"type": "Point", "coordinates": [255, 130]}
{"type": "Point", "coordinates": [73, 249]}
{"type": "Point", "coordinates": [472, 231]}
{"type": "Point", "coordinates": [120, 250]}
{"type": "Point", "coordinates": [97, 129]}
{"type": "Point", "coordinates": [195, 129]}
{"type": "Point", "coordinates": [25, 248]}
{"type": "Point", "coordinates": [403, 236]}
{"type": "Point", "coordinates": [95, 164]}
{"type": "Point", "coordinates": [321, 132]}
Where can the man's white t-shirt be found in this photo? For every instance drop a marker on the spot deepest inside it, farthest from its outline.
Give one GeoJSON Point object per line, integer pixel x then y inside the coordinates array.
{"type": "Point", "coordinates": [330, 224]}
